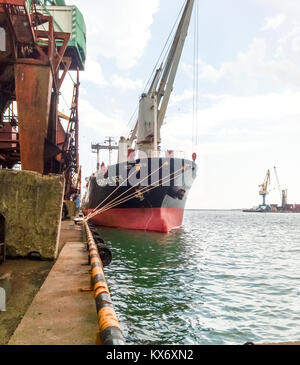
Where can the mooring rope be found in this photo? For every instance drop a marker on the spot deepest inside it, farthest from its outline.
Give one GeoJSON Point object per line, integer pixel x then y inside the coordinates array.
{"type": "Point", "coordinates": [126, 199]}
{"type": "Point", "coordinates": [144, 190]}
{"type": "Point", "coordinates": [88, 216]}
{"type": "Point", "coordinates": [114, 191]}
{"type": "Point", "coordinates": [131, 196]}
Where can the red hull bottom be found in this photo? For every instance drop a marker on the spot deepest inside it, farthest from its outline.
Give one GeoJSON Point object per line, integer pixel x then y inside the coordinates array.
{"type": "Point", "coordinates": [147, 219]}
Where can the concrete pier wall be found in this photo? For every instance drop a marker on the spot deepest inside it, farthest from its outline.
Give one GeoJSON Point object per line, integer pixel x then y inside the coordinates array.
{"type": "Point", "coordinates": [72, 209]}
{"type": "Point", "coordinates": [31, 204]}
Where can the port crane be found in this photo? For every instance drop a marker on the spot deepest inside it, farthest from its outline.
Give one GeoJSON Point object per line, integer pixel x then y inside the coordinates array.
{"type": "Point", "coordinates": [154, 102]}
{"type": "Point", "coordinates": [282, 192]}
{"type": "Point", "coordinates": [37, 50]}
{"type": "Point", "coordinates": [109, 144]}
{"type": "Point", "coordinates": [264, 188]}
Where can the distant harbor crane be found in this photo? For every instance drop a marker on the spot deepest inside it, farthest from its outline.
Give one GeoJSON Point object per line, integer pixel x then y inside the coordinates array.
{"type": "Point", "coordinates": [264, 188]}
{"type": "Point", "coordinates": [282, 192]}
{"type": "Point", "coordinates": [109, 144]}
{"type": "Point", "coordinates": [273, 208]}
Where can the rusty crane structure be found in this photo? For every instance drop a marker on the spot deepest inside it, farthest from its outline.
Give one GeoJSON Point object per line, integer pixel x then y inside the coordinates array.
{"type": "Point", "coordinates": [35, 56]}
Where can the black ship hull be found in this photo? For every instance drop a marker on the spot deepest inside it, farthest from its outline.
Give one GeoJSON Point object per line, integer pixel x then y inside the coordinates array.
{"type": "Point", "coordinates": [148, 194]}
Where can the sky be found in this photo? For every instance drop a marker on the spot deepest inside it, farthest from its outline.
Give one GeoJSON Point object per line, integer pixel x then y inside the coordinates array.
{"type": "Point", "coordinates": [249, 90]}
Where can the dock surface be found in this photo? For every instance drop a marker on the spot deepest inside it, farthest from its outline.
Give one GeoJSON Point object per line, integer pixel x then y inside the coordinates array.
{"type": "Point", "coordinates": [63, 312]}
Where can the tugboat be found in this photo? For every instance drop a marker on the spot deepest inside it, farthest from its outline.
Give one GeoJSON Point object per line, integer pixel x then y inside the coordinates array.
{"type": "Point", "coordinates": [146, 190]}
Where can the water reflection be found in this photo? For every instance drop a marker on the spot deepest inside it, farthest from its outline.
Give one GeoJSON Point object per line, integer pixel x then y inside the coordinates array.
{"type": "Point", "coordinates": [226, 277]}
{"type": "Point", "coordinates": [148, 272]}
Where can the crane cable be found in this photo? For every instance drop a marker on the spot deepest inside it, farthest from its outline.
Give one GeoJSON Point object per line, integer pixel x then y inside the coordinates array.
{"type": "Point", "coordinates": [195, 79]}
{"type": "Point", "coordinates": [161, 59]}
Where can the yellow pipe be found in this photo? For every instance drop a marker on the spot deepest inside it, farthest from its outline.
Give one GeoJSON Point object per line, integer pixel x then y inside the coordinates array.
{"type": "Point", "coordinates": [110, 329]}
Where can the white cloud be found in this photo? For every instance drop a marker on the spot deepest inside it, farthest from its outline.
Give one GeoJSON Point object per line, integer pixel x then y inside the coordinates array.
{"type": "Point", "coordinates": [65, 100]}
{"type": "Point", "coordinates": [292, 7]}
{"type": "Point", "coordinates": [248, 114]}
{"type": "Point", "coordinates": [95, 126]}
{"type": "Point", "coordinates": [125, 83]}
{"type": "Point", "coordinates": [239, 138]}
{"type": "Point", "coordinates": [101, 124]}
{"type": "Point", "coordinates": [208, 72]}
{"type": "Point", "coordinates": [118, 29]}
{"type": "Point", "coordinates": [175, 99]}
{"type": "Point", "coordinates": [252, 71]}
{"type": "Point", "coordinates": [229, 115]}
{"type": "Point", "coordinates": [289, 42]}
{"type": "Point", "coordinates": [246, 64]}
{"type": "Point", "coordinates": [93, 73]}
{"type": "Point", "coordinates": [274, 22]}
{"type": "Point", "coordinates": [186, 68]}
{"type": "Point", "coordinates": [262, 108]}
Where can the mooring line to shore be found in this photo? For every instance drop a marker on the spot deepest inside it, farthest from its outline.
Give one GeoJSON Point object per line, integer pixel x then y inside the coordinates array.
{"type": "Point", "coordinates": [131, 196]}
{"type": "Point", "coordinates": [110, 329]}
{"type": "Point", "coordinates": [113, 192]}
{"type": "Point", "coordinates": [134, 186]}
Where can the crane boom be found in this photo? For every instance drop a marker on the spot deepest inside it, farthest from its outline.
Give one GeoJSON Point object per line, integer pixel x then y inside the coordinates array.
{"type": "Point", "coordinates": [154, 103]}
{"type": "Point", "coordinates": [282, 192]}
{"type": "Point", "coordinates": [278, 185]}
{"type": "Point", "coordinates": [167, 82]}
{"type": "Point", "coordinates": [264, 187]}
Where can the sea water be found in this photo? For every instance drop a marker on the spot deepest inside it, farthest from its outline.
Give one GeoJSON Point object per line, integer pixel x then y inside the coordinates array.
{"type": "Point", "coordinates": [225, 277]}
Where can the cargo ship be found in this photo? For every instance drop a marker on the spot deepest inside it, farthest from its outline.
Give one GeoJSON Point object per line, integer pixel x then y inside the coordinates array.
{"type": "Point", "coordinates": [147, 189]}
{"type": "Point", "coordinates": [155, 208]}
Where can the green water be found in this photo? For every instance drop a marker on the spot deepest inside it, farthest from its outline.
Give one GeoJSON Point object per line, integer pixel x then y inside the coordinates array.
{"type": "Point", "coordinates": [224, 278]}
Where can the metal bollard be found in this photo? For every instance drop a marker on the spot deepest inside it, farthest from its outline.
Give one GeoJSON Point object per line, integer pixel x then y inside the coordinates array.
{"type": "Point", "coordinates": [110, 330]}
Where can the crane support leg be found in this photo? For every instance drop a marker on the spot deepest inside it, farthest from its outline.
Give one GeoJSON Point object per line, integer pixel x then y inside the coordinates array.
{"type": "Point", "coordinates": [33, 94]}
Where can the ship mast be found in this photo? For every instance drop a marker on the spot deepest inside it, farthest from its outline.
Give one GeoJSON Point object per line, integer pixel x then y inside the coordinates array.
{"type": "Point", "coordinates": [153, 104]}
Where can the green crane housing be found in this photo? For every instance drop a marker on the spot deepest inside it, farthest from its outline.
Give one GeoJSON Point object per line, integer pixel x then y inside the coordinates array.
{"type": "Point", "coordinates": [67, 19]}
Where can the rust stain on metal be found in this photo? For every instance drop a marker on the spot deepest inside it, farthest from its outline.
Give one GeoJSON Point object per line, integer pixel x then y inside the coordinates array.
{"type": "Point", "coordinates": [33, 92]}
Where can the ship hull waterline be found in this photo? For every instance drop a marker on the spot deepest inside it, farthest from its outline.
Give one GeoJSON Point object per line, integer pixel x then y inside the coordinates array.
{"type": "Point", "coordinates": [159, 209]}
{"type": "Point", "coordinates": [146, 219]}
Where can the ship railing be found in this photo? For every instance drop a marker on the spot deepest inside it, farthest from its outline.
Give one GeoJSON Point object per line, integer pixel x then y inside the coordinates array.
{"type": "Point", "coordinates": [169, 153]}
